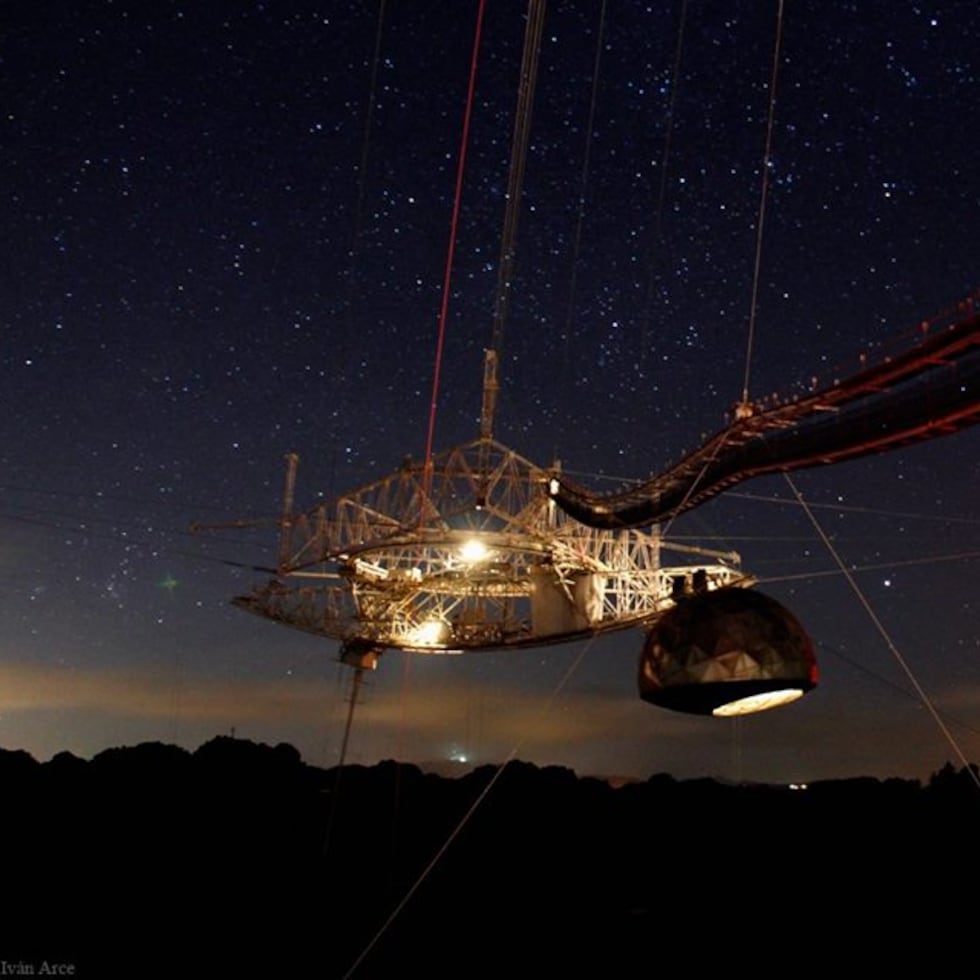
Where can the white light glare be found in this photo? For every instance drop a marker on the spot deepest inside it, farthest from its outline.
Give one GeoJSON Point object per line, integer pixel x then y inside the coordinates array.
{"type": "Point", "coordinates": [758, 702]}
{"type": "Point", "coordinates": [429, 634]}
{"type": "Point", "coordinates": [473, 550]}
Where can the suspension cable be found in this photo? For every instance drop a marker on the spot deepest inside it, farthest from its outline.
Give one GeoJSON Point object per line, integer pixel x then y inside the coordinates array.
{"type": "Point", "coordinates": [366, 140]}
{"type": "Point", "coordinates": [583, 184]}
{"type": "Point", "coordinates": [762, 204]}
{"type": "Point", "coordinates": [467, 816]}
{"type": "Point", "coordinates": [515, 190]}
{"type": "Point", "coordinates": [862, 598]}
{"type": "Point", "coordinates": [450, 254]}
{"type": "Point", "coordinates": [349, 277]}
{"type": "Point", "coordinates": [669, 127]}
{"type": "Point", "coordinates": [664, 169]}
{"type": "Point", "coordinates": [695, 483]}
{"type": "Point", "coordinates": [826, 573]}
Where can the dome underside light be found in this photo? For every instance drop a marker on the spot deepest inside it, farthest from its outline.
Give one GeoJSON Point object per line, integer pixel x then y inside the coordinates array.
{"type": "Point", "coordinates": [726, 652]}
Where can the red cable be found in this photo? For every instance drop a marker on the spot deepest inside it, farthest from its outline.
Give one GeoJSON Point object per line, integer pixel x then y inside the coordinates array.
{"type": "Point", "coordinates": [444, 311]}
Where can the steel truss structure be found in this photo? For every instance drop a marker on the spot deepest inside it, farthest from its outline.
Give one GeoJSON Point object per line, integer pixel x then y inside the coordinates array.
{"type": "Point", "coordinates": [467, 553]}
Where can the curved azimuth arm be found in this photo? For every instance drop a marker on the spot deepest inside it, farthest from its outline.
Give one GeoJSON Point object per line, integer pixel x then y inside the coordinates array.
{"type": "Point", "coordinates": [931, 390]}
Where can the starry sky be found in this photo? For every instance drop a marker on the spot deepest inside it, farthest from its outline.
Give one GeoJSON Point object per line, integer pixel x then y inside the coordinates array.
{"type": "Point", "coordinates": [225, 236]}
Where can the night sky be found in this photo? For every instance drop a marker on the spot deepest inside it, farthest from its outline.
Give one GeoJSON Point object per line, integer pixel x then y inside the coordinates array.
{"type": "Point", "coordinates": [219, 248]}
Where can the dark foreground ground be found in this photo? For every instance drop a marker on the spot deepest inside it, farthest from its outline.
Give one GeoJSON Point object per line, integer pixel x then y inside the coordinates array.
{"type": "Point", "coordinates": [239, 860]}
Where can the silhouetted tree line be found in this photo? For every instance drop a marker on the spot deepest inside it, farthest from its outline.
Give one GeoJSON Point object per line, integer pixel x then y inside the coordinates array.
{"type": "Point", "coordinates": [239, 859]}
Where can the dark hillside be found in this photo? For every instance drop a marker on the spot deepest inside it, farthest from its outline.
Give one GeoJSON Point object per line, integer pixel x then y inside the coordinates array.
{"type": "Point", "coordinates": [154, 861]}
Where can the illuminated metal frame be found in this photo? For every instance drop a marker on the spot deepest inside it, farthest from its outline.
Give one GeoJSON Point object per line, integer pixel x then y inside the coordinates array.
{"type": "Point", "coordinates": [387, 566]}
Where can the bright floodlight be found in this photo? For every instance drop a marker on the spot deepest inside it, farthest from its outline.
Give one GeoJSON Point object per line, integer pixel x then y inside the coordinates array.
{"type": "Point", "coordinates": [431, 633]}
{"type": "Point", "coordinates": [473, 550]}
{"type": "Point", "coordinates": [758, 702]}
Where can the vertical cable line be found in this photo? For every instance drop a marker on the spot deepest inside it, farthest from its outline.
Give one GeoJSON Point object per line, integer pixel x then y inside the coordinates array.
{"type": "Point", "coordinates": [515, 190]}
{"type": "Point", "coordinates": [450, 254]}
{"type": "Point", "coordinates": [664, 169]}
{"type": "Point", "coordinates": [583, 185]}
{"type": "Point", "coordinates": [366, 141]}
{"type": "Point", "coordinates": [762, 204]}
{"type": "Point", "coordinates": [349, 274]}
{"type": "Point", "coordinates": [427, 474]}
{"type": "Point", "coordinates": [518, 162]}
{"type": "Point", "coordinates": [465, 819]}
{"type": "Point", "coordinates": [669, 126]}
{"type": "Point", "coordinates": [352, 256]}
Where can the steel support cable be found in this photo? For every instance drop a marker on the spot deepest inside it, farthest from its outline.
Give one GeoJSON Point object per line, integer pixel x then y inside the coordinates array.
{"type": "Point", "coordinates": [515, 190]}
{"type": "Point", "coordinates": [450, 255]}
{"type": "Point", "coordinates": [583, 184]}
{"type": "Point", "coordinates": [664, 169]}
{"type": "Point", "coordinates": [353, 249]}
{"type": "Point", "coordinates": [879, 626]}
{"type": "Point", "coordinates": [440, 346]}
{"type": "Point", "coordinates": [356, 683]}
{"type": "Point", "coordinates": [465, 819]}
{"type": "Point", "coordinates": [854, 509]}
{"type": "Point", "coordinates": [682, 506]}
{"type": "Point", "coordinates": [366, 140]}
{"type": "Point", "coordinates": [760, 223]}
{"type": "Point", "coordinates": [905, 563]}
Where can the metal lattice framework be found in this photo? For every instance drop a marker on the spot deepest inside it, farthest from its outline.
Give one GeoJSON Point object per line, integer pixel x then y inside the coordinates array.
{"type": "Point", "coordinates": [468, 553]}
